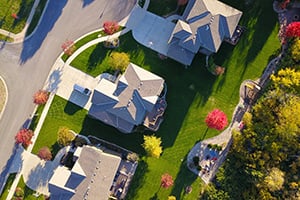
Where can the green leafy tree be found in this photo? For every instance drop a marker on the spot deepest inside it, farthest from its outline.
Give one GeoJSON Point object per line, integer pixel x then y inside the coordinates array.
{"type": "Point", "coordinates": [152, 146]}
{"type": "Point", "coordinates": [288, 79]}
{"type": "Point", "coordinates": [295, 49]}
{"type": "Point", "coordinates": [288, 119]}
{"type": "Point", "coordinates": [274, 180]}
{"type": "Point", "coordinates": [119, 61]}
{"type": "Point", "coordinates": [64, 136]}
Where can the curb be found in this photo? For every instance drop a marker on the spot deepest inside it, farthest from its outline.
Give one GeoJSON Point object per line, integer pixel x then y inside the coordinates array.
{"type": "Point", "coordinates": [6, 97]}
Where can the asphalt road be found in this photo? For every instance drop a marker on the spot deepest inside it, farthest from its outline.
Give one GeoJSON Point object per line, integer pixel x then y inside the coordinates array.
{"type": "Point", "coordinates": [25, 66]}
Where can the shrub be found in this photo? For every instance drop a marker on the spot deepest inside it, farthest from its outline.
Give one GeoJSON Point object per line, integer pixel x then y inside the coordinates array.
{"type": "Point", "coordinates": [24, 137]}
{"type": "Point", "coordinates": [119, 61]}
{"type": "Point", "coordinates": [64, 136]}
{"type": "Point", "coordinates": [166, 181]}
{"type": "Point", "coordinates": [152, 146]}
{"type": "Point", "coordinates": [209, 146]}
{"type": "Point", "coordinates": [40, 97]}
{"type": "Point", "coordinates": [110, 27]}
{"type": "Point", "coordinates": [68, 47]}
{"type": "Point", "coordinates": [216, 119]}
{"type": "Point", "coordinates": [45, 153]}
{"type": "Point", "coordinates": [19, 192]}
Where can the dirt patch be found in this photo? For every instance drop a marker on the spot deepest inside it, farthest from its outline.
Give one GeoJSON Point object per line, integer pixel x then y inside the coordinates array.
{"type": "Point", "coordinates": [2, 95]}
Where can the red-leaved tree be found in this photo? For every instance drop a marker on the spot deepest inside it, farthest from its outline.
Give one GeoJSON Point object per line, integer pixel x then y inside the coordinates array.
{"type": "Point", "coordinates": [40, 97]}
{"type": "Point", "coordinates": [68, 47]}
{"type": "Point", "coordinates": [216, 119]}
{"type": "Point", "coordinates": [45, 153]}
{"type": "Point", "coordinates": [110, 27]}
{"type": "Point", "coordinates": [293, 30]}
{"type": "Point", "coordinates": [166, 181]}
{"type": "Point", "coordinates": [24, 137]}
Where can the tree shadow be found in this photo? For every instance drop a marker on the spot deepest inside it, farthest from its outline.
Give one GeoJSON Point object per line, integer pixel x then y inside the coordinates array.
{"type": "Point", "coordinates": [54, 80]}
{"type": "Point", "coordinates": [40, 175]}
{"type": "Point", "coordinates": [71, 108]}
{"type": "Point", "coordinates": [138, 179]}
{"type": "Point", "coordinates": [183, 179]}
{"type": "Point", "coordinates": [51, 15]}
{"type": "Point", "coordinates": [97, 56]}
{"type": "Point", "coordinates": [91, 126]}
{"type": "Point", "coordinates": [86, 2]}
{"type": "Point", "coordinates": [7, 169]}
{"type": "Point", "coordinates": [23, 13]}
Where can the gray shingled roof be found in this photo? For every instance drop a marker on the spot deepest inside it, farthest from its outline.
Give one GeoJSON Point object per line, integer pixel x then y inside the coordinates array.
{"type": "Point", "coordinates": [125, 103]}
{"type": "Point", "coordinates": [98, 170]}
{"type": "Point", "coordinates": [204, 24]}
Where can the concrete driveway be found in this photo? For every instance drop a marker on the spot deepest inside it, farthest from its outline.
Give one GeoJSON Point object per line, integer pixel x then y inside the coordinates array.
{"type": "Point", "coordinates": [36, 172]}
{"type": "Point", "coordinates": [151, 30]}
{"type": "Point", "coordinates": [62, 79]}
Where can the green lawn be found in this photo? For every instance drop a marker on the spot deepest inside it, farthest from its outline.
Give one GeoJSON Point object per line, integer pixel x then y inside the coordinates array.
{"type": "Point", "coordinates": [20, 7]}
{"type": "Point", "coordinates": [192, 93]}
{"type": "Point", "coordinates": [7, 186]}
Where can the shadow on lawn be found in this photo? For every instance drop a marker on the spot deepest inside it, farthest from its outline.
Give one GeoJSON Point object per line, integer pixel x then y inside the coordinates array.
{"type": "Point", "coordinates": [97, 57]}
{"type": "Point", "coordinates": [253, 39]}
{"type": "Point", "coordinates": [138, 179]}
{"type": "Point", "coordinates": [23, 13]}
{"type": "Point", "coordinates": [52, 13]}
{"type": "Point", "coordinates": [98, 129]}
{"type": "Point", "coordinates": [71, 108]}
{"type": "Point", "coordinates": [184, 178]}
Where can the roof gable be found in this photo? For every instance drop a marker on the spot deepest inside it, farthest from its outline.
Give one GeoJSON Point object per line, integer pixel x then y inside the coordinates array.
{"type": "Point", "coordinates": [209, 22]}
{"type": "Point", "coordinates": [131, 97]}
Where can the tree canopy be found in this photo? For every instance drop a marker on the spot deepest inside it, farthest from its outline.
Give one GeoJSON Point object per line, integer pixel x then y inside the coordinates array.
{"type": "Point", "coordinates": [152, 146]}
{"type": "Point", "coordinates": [166, 181]}
{"type": "Point", "coordinates": [24, 137]}
{"type": "Point", "coordinates": [119, 61]}
{"type": "Point", "coordinates": [216, 119]}
{"type": "Point", "coordinates": [64, 136]}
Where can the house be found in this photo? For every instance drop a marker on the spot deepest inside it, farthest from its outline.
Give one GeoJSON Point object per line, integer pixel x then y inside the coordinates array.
{"type": "Point", "coordinates": [91, 176]}
{"type": "Point", "coordinates": [135, 98]}
{"type": "Point", "coordinates": [202, 28]}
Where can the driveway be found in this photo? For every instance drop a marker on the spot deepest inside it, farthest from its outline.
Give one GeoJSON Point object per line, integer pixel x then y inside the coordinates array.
{"type": "Point", "coordinates": [36, 172]}
{"type": "Point", "coordinates": [25, 66]}
{"type": "Point", "coordinates": [62, 79]}
{"type": "Point", "coordinates": [151, 30]}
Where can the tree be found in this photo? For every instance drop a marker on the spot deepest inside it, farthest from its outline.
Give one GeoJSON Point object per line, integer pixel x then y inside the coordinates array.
{"type": "Point", "coordinates": [295, 49]}
{"type": "Point", "coordinates": [24, 137]}
{"type": "Point", "coordinates": [166, 181]}
{"type": "Point", "coordinates": [152, 146]}
{"type": "Point", "coordinates": [293, 30]}
{"type": "Point", "coordinates": [68, 47]}
{"type": "Point", "coordinates": [40, 97]}
{"type": "Point", "coordinates": [288, 119]}
{"type": "Point", "coordinates": [119, 61]}
{"type": "Point", "coordinates": [171, 198]}
{"type": "Point", "coordinates": [216, 119]}
{"type": "Point", "coordinates": [274, 181]}
{"type": "Point", "coordinates": [45, 153]}
{"type": "Point", "coordinates": [287, 79]}
{"type": "Point", "coordinates": [110, 27]}
{"type": "Point", "coordinates": [64, 136]}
